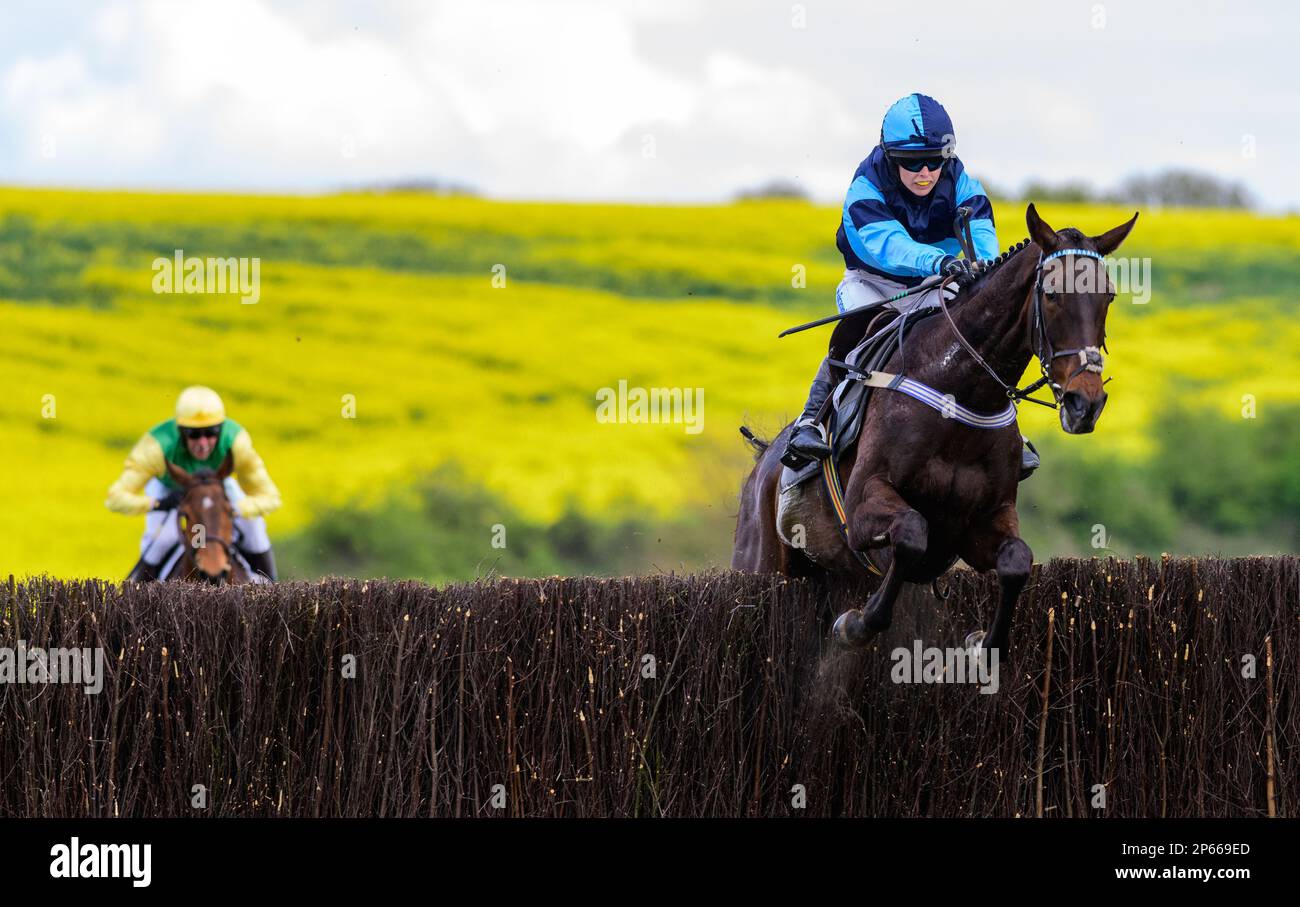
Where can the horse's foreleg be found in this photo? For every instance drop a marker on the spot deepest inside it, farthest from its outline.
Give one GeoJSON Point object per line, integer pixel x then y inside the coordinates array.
{"type": "Point", "coordinates": [882, 519]}
{"type": "Point", "coordinates": [1000, 547]}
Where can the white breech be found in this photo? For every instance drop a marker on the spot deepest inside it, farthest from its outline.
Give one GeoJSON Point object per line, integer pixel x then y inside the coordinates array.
{"type": "Point", "coordinates": [859, 288]}
{"type": "Point", "coordinates": [162, 533]}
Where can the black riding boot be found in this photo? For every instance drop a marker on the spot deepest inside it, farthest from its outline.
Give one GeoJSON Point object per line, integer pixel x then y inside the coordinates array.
{"type": "Point", "coordinates": [1028, 459]}
{"type": "Point", "coordinates": [143, 572]}
{"type": "Point", "coordinates": [806, 443]}
{"type": "Point", "coordinates": [262, 562]}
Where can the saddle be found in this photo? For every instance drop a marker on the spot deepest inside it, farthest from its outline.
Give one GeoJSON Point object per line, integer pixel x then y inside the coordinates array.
{"type": "Point", "coordinates": [842, 417]}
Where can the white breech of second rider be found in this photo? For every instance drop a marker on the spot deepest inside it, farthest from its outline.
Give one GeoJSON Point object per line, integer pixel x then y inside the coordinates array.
{"type": "Point", "coordinates": [161, 532]}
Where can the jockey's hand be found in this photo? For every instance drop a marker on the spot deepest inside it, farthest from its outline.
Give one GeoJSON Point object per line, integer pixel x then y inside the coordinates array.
{"type": "Point", "coordinates": [170, 501]}
{"type": "Point", "coordinates": [958, 268]}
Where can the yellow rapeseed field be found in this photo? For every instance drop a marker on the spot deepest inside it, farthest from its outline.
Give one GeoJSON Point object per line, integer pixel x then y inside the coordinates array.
{"type": "Point", "coordinates": [394, 304]}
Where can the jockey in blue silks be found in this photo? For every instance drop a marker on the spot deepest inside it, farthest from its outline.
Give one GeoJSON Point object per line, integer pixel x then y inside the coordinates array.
{"type": "Point", "coordinates": [897, 231]}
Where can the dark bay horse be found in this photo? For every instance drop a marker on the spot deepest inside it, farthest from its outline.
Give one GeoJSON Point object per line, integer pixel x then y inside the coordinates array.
{"type": "Point", "coordinates": [207, 526]}
{"type": "Point", "coordinates": [923, 489]}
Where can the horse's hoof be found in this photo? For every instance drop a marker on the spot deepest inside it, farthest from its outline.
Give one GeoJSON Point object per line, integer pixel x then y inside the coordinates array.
{"type": "Point", "coordinates": [850, 631]}
{"type": "Point", "coordinates": [975, 642]}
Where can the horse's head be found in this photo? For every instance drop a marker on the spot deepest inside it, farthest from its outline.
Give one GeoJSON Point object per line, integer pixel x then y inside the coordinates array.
{"type": "Point", "coordinates": [1071, 296]}
{"type": "Point", "coordinates": [207, 519]}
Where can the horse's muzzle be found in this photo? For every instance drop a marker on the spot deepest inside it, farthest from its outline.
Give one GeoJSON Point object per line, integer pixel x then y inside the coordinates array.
{"type": "Point", "coordinates": [216, 579]}
{"type": "Point", "coordinates": [1080, 412]}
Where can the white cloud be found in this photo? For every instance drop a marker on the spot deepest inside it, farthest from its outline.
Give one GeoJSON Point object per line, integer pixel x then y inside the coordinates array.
{"type": "Point", "coordinates": [556, 99]}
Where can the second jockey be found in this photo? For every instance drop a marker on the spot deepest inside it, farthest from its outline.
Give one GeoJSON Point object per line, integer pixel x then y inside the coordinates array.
{"type": "Point", "coordinates": [198, 437]}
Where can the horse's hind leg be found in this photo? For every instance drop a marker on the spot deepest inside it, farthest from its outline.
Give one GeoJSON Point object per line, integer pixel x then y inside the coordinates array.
{"type": "Point", "coordinates": [758, 546]}
{"type": "Point", "coordinates": [882, 517]}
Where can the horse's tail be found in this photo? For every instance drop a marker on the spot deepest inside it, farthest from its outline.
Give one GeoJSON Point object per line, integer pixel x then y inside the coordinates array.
{"type": "Point", "coordinates": [760, 446]}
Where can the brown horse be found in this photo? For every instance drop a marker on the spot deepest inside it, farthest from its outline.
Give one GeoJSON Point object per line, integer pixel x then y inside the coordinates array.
{"type": "Point", "coordinates": [207, 526]}
{"type": "Point", "coordinates": [924, 489]}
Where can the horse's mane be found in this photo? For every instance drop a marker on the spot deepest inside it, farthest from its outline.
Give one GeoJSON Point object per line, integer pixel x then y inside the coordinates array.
{"type": "Point", "coordinates": [996, 264]}
{"type": "Point", "coordinates": [1070, 235]}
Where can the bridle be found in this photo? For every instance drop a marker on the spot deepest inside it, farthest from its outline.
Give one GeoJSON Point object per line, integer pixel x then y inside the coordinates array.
{"type": "Point", "coordinates": [227, 544]}
{"type": "Point", "coordinates": [1090, 358]}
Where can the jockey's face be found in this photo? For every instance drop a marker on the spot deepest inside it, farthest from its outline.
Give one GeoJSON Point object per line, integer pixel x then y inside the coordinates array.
{"type": "Point", "coordinates": [919, 183]}
{"type": "Point", "coordinates": [201, 448]}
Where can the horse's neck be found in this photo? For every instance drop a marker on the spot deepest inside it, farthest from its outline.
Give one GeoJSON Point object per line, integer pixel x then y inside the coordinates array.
{"type": "Point", "coordinates": [995, 321]}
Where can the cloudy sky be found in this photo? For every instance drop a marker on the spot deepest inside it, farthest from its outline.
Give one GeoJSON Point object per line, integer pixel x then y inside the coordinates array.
{"type": "Point", "coordinates": [620, 99]}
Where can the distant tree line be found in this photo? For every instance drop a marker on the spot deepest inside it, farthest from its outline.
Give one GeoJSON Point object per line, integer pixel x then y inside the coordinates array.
{"type": "Point", "coordinates": [773, 189]}
{"type": "Point", "coordinates": [422, 186]}
{"type": "Point", "coordinates": [1172, 188]}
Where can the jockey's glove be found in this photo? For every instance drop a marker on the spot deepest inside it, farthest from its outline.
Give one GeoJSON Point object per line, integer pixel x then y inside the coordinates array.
{"type": "Point", "coordinates": [170, 501]}
{"type": "Point", "coordinates": [958, 268]}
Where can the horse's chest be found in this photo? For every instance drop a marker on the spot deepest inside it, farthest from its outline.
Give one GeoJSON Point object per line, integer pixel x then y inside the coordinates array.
{"type": "Point", "coordinates": [946, 486]}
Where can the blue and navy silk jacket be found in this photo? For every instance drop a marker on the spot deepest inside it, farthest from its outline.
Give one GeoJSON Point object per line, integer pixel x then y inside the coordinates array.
{"type": "Point", "coordinates": [889, 231]}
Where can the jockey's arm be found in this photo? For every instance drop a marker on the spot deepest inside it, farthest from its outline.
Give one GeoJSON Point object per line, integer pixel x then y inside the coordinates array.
{"type": "Point", "coordinates": [879, 239]}
{"type": "Point", "coordinates": [144, 462]}
{"type": "Point", "coordinates": [970, 192]}
{"type": "Point", "coordinates": [260, 494]}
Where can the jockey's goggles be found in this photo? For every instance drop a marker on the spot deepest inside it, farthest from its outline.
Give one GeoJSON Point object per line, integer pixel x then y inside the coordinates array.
{"type": "Point", "coordinates": [208, 431]}
{"type": "Point", "coordinates": [916, 165]}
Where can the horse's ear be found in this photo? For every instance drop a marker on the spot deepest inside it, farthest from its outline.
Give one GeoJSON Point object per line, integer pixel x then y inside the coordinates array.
{"type": "Point", "coordinates": [227, 465]}
{"type": "Point", "coordinates": [1039, 230]}
{"type": "Point", "coordinates": [1109, 241]}
{"type": "Point", "coordinates": [179, 476]}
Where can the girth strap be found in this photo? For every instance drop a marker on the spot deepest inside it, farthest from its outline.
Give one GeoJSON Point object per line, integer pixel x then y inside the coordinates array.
{"type": "Point", "coordinates": [831, 475]}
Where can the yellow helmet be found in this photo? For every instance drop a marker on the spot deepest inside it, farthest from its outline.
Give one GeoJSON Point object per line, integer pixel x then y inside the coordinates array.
{"type": "Point", "coordinates": [199, 407]}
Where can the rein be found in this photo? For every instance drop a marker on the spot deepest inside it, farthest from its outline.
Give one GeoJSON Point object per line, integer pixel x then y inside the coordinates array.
{"type": "Point", "coordinates": [1090, 358]}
